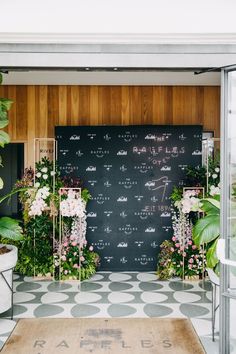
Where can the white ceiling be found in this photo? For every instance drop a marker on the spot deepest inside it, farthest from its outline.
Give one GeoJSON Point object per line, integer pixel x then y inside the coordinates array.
{"type": "Point", "coordinates": [109, 78]}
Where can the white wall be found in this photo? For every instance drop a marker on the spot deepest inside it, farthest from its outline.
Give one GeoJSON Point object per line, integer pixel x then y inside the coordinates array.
{"type": "Point", "coordinates": [118, 16]}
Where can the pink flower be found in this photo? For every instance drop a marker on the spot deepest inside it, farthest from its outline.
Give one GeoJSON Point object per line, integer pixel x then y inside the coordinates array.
{"type": "Point", "coordinates": [177, 245]}
{"type": "Point", "coordinates": [190, 260]}
{"type": "Point", "coordinates": [65, 272]}
{"type": "Point", "coordinates": [65, 244]}
{"type": "Point", "coordinates": [172, 249]}
{"type": "Point", "coordinates": [82, 258]}
{"type": "Point", "coordinates": [184, 254]}
{"type": "Point", "coordinates": [63, 258]}
{"type": "Point", "coordinates": [75, 253]}
{"type": "Point", "coordinates": [74, 243]}
{"type": "Point", "coordinates": [76, 266]}
{"type": "Point", "coordinates": [173, 238]}
{"type": "Point", "coordinates": [91, 248]}
{"type": "Point", "coordinates": [181, 248]}
{"type": "Point", "coordinates": [190, 242]}
{"type": "Point", "coordinates": [194, 247]}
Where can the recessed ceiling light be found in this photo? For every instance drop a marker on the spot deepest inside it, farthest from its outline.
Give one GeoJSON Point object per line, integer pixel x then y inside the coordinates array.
{"type": "Point", "coordinates": [115, 69]}
{"type": "Point", "coordinates": [87, 69]}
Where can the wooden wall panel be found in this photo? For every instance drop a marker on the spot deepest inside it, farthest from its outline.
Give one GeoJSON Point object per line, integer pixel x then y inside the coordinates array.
{"type": "Point", "coordinates": [38, 109]}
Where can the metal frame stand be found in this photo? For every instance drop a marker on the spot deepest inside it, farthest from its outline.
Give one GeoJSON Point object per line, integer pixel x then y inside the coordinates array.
{"type": "Point", "coordinates": [9, 286]}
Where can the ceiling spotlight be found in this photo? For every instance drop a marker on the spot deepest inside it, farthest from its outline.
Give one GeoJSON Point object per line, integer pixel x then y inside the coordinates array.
{"type": "Point", "coordinates": [115, 69]}
{"type": "Point", "coordinates": [87, 69]}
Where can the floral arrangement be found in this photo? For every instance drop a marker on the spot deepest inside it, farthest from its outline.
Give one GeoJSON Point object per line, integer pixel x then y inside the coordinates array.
{"type": "Point", "coordinates": [42, 194]}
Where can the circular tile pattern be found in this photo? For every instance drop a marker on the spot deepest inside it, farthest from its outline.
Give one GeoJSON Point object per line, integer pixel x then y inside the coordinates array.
{"type": "Point", "coordinates": [118, 286]}
{"type": "Point", "coordinates": [180, 285]}
{"type": "Point", "coordinates": [29, 286]}
{"type": "Point", "coordinates": [190, 310]}
{"type": "Point", "coordinates": [149, 297]}
{"type": "Point", "coordinates": [47, 310]}
{"type": "Point", "coordinates": [97, 277]}
{"type": "Point", "coordinates": [119, 277]}
{"type": "Point", "coordinates": [146, 277]}
{"type": "Point", "coordinates": [52, 297]}
{"type": "Point", "coordinates": [6, 326]}
{"type": "Point", "coordinates": [21, 297]}
{"type": "Point", "coordinates": [57, 286]}
{"type": "Point", "coordinates": [84, 310]}
{"type": "Point", "coordinates": [205, 285]}
{"type": "Point", "coordinates": [84, 298]}
{"type": "Point", "coordinates": [118, 297]}
{"type": "Point", "coordinates": [87, 286]}
{"type": "Point", "coordinates": [153, 310]}
{"type": "Point", "coordinates": [185, 296]}
{"type": "Point", "coordinates": [19, 309]}
{"type": "Point", "coordinates": [120, 310]}
{"type": "Point", "coordinates": [147, 286]}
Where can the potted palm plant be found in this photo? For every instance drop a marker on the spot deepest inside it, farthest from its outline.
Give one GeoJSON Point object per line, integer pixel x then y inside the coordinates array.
{"type": "Point", "coordinates": [9, 228]}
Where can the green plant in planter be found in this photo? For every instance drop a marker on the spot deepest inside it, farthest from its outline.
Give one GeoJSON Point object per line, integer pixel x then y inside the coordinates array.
{"type": "Point", "coordinates": [9, 228]}
{"type": "Point", "coordinates": [207, 229]}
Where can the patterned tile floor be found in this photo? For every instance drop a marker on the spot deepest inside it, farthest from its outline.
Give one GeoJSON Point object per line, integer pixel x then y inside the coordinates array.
{"type": "Point", "coordinates": [126, 294]}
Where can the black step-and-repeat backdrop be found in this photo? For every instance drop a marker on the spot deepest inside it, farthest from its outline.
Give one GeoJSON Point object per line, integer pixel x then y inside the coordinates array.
{"type": "Point", "coordinates": [130, 172]}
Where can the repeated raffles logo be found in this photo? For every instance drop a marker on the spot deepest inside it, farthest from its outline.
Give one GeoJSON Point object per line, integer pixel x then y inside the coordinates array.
{"type": "Point", "coordinates": [154, 137]}
{"type": "Point", "coordinates": [100, 244]}
{"type": "Point", "coordinates": [154, 199]}
{"type": "Point", "coordinates": [143, 168]}
{"type": "Point", "coordinates": [128, 229]}
{"type": "Point", "coordinates": [165, 214]}
{"type": "Point", "coordinates": [100, 198]}
{"type": "Point", "coordinates": [144, 259]}
{"type": "Point", "coordinates": [143, 214]}
{"type": "Point", "coordinates": [127, 136]}
{"type": "Point", "coordinates": [183, 167]}
{"type": "Point", "coordinates": [123, 244]}
{"type": "Point", "coordinates": [122, 199]}
{"type": "Point", "coordinates": [75, 137]}
{"type": "Point", "coordinates": [64, 152]}
{"type": "Point", "coordinates": [127, 183]}
{"type": "Point", "coordinates": [123, 260]}
{"type": "Point", "coordinates": [108, 259]}
{"type": "Point", "coordinates": [139, 150]}
{"type": "Point", "coordinates": [100, 152]}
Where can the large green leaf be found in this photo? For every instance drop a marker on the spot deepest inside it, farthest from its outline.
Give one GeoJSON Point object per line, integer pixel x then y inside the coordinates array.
{"type": "Point", "coordinates": [10, 229]}
{"type": "Point", "coordinates": [208, 207]}
{"type": "Point", "coordinates": [211, 202]}
{"type": "Point", "coordinates": [4, 138]}
{"type": "Point", "coordinates": [206, 229]}
{"type": "Point", "coordinates": [5, 104]}
{"type": "Point", "coordinates": [3, 123]}
{"type": "Point", "coordinates": [211, 256]}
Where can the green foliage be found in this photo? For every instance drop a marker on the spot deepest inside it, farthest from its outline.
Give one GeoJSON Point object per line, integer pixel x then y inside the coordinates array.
{"type": "Point", "coordinates": [207, 229]}
{"type": "Point", "coordinates": [165, 267]}
{"type": "Point", "coordinates": [195, 176]}
{"type": "Point", "coordinates": [10, 229]}
{"type": "Point", "coordinates": [176, 194]}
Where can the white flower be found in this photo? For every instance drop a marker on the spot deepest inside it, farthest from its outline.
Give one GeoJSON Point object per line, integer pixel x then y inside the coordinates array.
{"type": "Point", "coordinates": [44, 170]}
{"type": "Point", "coordinates": [52, 173]}
{"type": "Point", "coordinates": [37, 185]}
{"type": "Point", "coordinates": [39, 174]}
{"type": "Point", "coordinates": [217, 169]}
{"type": "Point", "coordinates": [214, 176]}
{"type": "Point", "coordinates": [214, 191]}
{"type": "Point", "coordinates": [45, 176]}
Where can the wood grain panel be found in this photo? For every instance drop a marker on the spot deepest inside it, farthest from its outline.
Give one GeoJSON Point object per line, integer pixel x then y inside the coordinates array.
{"type": "Point", "coordinates": [37, 109]}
